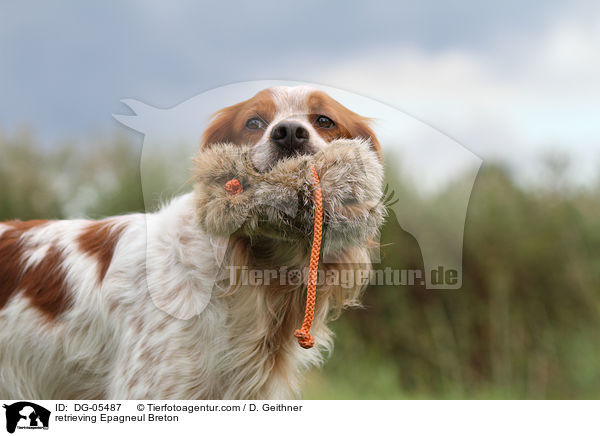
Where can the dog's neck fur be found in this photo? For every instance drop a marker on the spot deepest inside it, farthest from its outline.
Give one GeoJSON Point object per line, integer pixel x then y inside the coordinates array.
{"type": "Point", "coordinates": [260, 357]}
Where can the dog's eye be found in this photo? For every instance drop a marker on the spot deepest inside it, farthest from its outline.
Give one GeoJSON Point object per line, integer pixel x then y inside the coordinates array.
{"type": "Point", "coordinates": [324, 122]}
{"type": "Point", "coordinates": [255, 124]}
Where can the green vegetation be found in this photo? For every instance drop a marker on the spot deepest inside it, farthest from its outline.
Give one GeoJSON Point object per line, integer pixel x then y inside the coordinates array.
{"type": "Point", "coordinates": [526, 323]}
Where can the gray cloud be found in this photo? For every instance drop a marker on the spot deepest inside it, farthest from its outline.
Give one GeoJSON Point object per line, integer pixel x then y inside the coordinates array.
{"type": "Point", "coordinates": [65, 65]}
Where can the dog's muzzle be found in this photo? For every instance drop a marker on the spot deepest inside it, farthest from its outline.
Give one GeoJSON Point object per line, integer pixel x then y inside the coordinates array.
{"type": "Point", "coordinates": [290, 138]}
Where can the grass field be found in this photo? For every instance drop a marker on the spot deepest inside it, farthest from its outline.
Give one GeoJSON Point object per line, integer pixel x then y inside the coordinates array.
{"type": "Point", "coordinates": [526, 323]}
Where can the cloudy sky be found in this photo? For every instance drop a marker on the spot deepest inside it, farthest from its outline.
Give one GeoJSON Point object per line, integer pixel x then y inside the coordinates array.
{"type": "Point", "coordinates": [510, 80]}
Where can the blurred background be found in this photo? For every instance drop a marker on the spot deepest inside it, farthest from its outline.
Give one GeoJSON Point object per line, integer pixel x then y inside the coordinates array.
{"type": "Point", "coordinates": [516, 83]}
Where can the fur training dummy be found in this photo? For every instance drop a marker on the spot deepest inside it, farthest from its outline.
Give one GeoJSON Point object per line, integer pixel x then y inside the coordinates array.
{"type": "Point", "coordinates": [335, 195]}
{"type": "Point", "coordinates": [280, 199]}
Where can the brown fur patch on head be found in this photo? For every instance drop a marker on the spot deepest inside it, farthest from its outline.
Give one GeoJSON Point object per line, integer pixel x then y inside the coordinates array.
{"type": "Point", "coordinates": [229, 124]}
{"type": "Point", "coordinates": [43, 283]}
{"type": "Point", "coordinates": [99, 239]}
{"type": "Point", "coordinates": [348, 124]}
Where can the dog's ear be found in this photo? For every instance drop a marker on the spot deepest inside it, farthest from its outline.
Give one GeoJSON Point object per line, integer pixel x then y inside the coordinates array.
{"type": "Point", "coordinates": [360, 128]}
{"type": "Point", "coordinates": [221, 128]}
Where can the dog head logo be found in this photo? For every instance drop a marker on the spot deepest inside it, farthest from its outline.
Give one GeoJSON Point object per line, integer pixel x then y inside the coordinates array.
{"type": "Point", "coordinates": [422, 166]}
{"type": "Point", "coordinates": [26, 415]}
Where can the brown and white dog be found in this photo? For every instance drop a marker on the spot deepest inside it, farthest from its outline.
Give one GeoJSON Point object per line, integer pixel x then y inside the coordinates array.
{"type": "Point", "coordinates": [76, 318]}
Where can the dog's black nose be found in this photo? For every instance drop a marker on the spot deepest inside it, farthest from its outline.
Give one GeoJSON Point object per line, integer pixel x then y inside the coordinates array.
{"type": "Point", "coordinates": [290, 136]}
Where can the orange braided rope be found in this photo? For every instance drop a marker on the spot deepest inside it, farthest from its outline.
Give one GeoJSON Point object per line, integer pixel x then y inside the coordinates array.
{"type": "Point", "coordinates": [305, 339]}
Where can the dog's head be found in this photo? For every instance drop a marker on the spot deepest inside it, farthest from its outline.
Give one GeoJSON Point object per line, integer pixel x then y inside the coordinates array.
{"type": "Point", "coordinates": [285, 121]}
{"type": "Point", "coordinates": [273, 132]}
